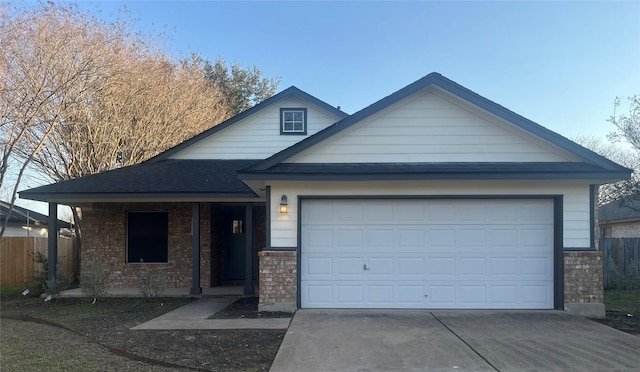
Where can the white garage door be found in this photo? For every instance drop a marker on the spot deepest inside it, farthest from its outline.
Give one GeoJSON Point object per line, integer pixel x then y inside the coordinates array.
{"type": "Point", "coordinates": [440, 254]}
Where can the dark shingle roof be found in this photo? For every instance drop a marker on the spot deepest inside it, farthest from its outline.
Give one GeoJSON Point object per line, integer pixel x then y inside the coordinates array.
{"type": "Point", "coordinates": [24, 216]}
{"type": "Point", "coordinates": [153, 179]}
{"type": "Point", "coordinates": [620, 210]}
{"type": "Point", "coordinates": [456, 170]}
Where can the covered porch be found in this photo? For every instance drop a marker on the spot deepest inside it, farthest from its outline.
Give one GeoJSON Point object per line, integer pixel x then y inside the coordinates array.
{"type": "Point", "coordinates": [191, 221]}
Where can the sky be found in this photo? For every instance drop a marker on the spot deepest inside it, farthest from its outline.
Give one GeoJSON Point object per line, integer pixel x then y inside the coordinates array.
{"type": "Point", "coordinates": [560, 64]}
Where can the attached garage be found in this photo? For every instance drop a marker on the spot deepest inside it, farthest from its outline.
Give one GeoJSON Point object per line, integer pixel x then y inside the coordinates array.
{"type": "Point", "coordinates": [427, 253]}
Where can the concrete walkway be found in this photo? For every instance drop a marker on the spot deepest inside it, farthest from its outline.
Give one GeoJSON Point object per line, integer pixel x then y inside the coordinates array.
{"type": "Point", "coordinates": [195, 314]}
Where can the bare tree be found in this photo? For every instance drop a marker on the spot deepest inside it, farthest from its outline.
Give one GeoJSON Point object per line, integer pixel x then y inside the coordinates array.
{"type": "Point", "coordinates": [41, 75]}
{"type": "Point", "coordinates": [623, 148]}
{"type": "Point", "coordinates": [80, 95]}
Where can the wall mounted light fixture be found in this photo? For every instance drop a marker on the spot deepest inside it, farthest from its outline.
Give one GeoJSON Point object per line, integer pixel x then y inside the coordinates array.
{"type": "Point", "coordinates": [283, 204]}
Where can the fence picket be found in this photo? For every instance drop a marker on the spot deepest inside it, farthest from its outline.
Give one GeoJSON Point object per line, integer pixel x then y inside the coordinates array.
{"type": "Point", "coordinates": [17, 255]}
{"type": "Point", "coordinates": [621, 259]}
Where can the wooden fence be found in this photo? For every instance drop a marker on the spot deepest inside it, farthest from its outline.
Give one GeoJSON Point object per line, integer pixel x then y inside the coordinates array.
{"type": "Point", "coordinates": [17, 264]}
{"type": "Point", "coordinates": [621, 260]}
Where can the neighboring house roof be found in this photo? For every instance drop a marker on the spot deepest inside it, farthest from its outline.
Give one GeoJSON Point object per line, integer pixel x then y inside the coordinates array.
{"type": "Point", "coordinates": [170, 177]}
{"type": "Point", "coordinates": [625, 209]}
{"type": "Point", "coordinates": [454, 170]}
{"type": "Point", "coordinates": [285, 94]}
{"type": "Point", "coordinates": [434, 79]}
{"type": "Point", "coordinates": [26, 217]}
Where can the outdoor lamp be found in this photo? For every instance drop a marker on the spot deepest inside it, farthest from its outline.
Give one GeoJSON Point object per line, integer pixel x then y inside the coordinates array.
{"type": "Point", "coordinates": [283, 204]}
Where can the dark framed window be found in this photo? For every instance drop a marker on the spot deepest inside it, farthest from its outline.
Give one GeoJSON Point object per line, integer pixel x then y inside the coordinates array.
{"type": "Point", "coordinates": [293, 121]}
{"type": "Point", "coordinates": [147, 237]}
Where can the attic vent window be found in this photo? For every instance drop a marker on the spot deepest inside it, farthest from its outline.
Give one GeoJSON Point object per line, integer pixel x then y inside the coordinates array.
{"type": "Point", "coordinates": [293, 121]}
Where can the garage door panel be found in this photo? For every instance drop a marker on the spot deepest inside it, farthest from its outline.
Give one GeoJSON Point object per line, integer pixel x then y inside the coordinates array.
{"type": "Point", "coordinates": [318, 240]}
{"type": "Point", "coordinates": [379, 239]}
{"type": "Point", "coordinates": [381, 295]}
{"type": "Point", "coordinates": [535, 238]}
{"type": "Point", "coordinates": [442, 296]}
{"type": "Point", "coordinates": [411, 295]}
{"type": "Point", "coordinates": [472, 295]}
{"type": "Point", "coordinates": [320, 295]}
{"type": "Point", "coordinates": [349, 267]}
{"type": "Point", "coordinates": [380, 268]}
{"type": "Point", "coordinates": [317, 266]}
{"type": "Point", "coordinates": [441, 238]}
{"type": "Point", "coordinates": [440, 254]}
{"type": "Point", "coordinates": [409, 212]}
{"type": "Point", "coordinates": [442, 266]}
{"type": "Point", "coordinates": [470, 212]}
{"type": "Point", "coordinates": [350, 294]}
{"type": "Point", "coordinates": [410, 267]}
{"type": "Point", "coordinates": [410, 239]}
{"type": "Point", "coordinates": [349, 213]}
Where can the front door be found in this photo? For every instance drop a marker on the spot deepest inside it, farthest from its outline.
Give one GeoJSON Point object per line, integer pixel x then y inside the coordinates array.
{"type": "Point", "coordinates": [234, 242]}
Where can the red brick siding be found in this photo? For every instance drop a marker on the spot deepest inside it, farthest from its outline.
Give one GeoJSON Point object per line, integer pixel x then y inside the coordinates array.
{"type": "Point", "coordinates": [583, 277]}
{"type": "Point", "coordinates": [104, 239]}
{"type": "Point", "coordinates": [278, 277]}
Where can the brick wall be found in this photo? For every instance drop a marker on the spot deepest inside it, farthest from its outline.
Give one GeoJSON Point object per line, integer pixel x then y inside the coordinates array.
{"type": "Point", "coordinates": [104, 239]}
{"type": "Point", "coordinates": [583, 277]}
{"type": "Point", "coordinates": [278, 280]}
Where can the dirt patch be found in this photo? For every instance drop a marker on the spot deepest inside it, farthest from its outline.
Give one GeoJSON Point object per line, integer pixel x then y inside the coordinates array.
{"type": "Point", "coordinates": [107, 324]}
{"type": "Point", "coordinates": [247, 307]}
{"type": "Point", "coordinates": [626, 322]}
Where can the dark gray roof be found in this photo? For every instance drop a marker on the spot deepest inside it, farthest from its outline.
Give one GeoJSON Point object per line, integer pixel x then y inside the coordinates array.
{"type": "Point", "coordinates": [620, 210]}
{"type": "Point", "coordinates": [213, 178]}
{"type": "Point", "coordinates": [24, 216]}
{"type": "Point", "coordinates": [292, 91]}
{"type": "Point", "coordinates": [382, 171]}
{"type": "Point", "coordinates": [435, 79]}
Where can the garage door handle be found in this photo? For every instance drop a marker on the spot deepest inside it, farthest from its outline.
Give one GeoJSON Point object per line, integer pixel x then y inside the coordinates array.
{"type": "Point", "coordinates": [365, 267]}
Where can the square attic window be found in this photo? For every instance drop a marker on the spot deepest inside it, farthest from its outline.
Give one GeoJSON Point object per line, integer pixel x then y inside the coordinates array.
{"type": "Point", "coordinates": [293, 121]}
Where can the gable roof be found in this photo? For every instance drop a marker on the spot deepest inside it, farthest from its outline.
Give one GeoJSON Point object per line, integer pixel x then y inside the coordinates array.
{"type": "Point", "coordinates": [624, 209]}
{"type": "Point", "coordinates": [290, 92]}
{"type": "Point", "coordinates": [24, 216]}
{"type": "Point", "coordinates": [160, 179]}
{"type": "Point", "coordinates": [435, 79]}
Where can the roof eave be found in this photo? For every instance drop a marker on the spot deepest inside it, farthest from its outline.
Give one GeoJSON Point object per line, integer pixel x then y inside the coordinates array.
{"type": "Point", "coordinates": [597, 177]}
{"type": "Point", "coordinates": [75, 198]}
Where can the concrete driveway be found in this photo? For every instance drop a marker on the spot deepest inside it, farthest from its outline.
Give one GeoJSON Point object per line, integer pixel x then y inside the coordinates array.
{"type": "Point", "coordinates": [381, 340]}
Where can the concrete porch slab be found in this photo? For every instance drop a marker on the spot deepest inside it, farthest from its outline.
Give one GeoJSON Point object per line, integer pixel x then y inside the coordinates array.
{"type": "Point", "coordinates": [169, 292]}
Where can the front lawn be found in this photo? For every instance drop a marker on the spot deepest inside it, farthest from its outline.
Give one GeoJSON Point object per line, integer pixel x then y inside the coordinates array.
{"type": "Point", "coordinates": [75, 335]}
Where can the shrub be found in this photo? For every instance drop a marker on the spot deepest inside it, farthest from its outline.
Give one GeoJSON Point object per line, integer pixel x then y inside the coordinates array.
{"type": "Point", "coordinates": [94, 280]}
{"type": "Point", "coordinates": [152, 282]}
{"type": "Point", "coordinates": [39, 282]}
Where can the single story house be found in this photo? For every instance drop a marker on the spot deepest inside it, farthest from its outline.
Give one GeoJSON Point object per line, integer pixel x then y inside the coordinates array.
{"type": "Point", "coordinates": [432, 197]}
{"type": "Point", "coordinates": [620, 218]}
{"type": "Point", "coordinates": [25, 222]}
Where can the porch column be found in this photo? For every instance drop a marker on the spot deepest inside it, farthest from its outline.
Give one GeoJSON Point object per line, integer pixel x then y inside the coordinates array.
{"type": "Point", "coordinates": [248, 285]}
{"type": "Point", "coordinates": [195, 249]}
{"type": "Point", "coordinates": [52, 240]}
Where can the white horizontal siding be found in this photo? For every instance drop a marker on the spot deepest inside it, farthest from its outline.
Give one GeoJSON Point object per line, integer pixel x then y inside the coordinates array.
{"type": "Point", "coordinates": [576, 224]}
{"type": "Point", "coordinates": [257, 136]}
{"type": "Point", "coordinates": [427, 127]}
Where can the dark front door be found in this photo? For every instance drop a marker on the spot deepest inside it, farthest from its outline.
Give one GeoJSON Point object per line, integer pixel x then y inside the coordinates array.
{"type": "Point", "coordinates": [234, 242]}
